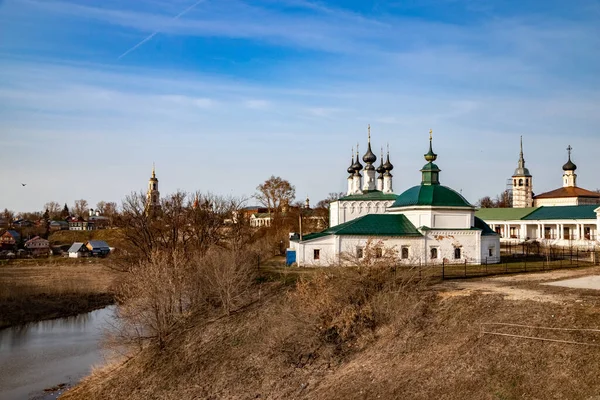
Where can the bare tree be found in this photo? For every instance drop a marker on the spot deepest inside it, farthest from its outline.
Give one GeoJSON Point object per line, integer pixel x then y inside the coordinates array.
{"type": "Point", "coordinates": [504, 200]}
{"type": "Point", "coordinates": [110, 211]}
{"type": "Point", "coordinates": [8, 215]}
{"type": "Point", "coordinates": [274, 193]}
{"type": "Point", "coordinates": [101, 206]}
{"type": "Point", "coordinates": [486, 202]}
{"type": "Point", "coordinates": [53, 209]}
{"type": "Point", "coordinates": [80, 208]}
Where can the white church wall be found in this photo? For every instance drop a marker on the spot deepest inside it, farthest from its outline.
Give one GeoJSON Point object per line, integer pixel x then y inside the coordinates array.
{"type": "Point", "coordinates": [440, 219]}
{"type": "Point", "coordinates": [344, 211]}
{"type": "Point", "coordinates": [446, 241]}
{"type": "Point", "coordinates": [305, 252]}
{"type": "Point", "coordinates": [490, 249]}
{"type": "Point", "coordinates": [336, 250]}
{"type": "Point", "coordinates": [559, 201]}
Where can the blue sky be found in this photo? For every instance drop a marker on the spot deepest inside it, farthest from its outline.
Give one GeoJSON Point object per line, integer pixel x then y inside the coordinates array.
{"type": "Point", "coordinates": [233, 92]}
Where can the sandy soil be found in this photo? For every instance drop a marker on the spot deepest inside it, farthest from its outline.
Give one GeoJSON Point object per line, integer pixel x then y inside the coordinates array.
{"type": "Point", "coordinates": [532, 286]}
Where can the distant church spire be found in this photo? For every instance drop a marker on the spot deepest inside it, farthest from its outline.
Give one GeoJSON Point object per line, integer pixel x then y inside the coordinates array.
{"type": "Point", "coordinates": [153, 195]}
{"type": "Point", "coordinates": [522, 183]}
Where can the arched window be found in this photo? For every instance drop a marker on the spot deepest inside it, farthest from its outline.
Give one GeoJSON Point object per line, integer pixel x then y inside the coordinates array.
{"type": "Point", "coordinates": [404, 253]}
{"type": "Point", "coordinates": [520, 182]}
{"type": "Point", "coordinates": [527, 182]}
{"type": "Point", "coordinates": [457, 253]}
{"type": "Point", "coordinates": [433, 252]}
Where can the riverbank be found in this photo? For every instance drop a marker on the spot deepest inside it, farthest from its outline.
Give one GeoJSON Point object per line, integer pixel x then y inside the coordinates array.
{"type": "Point", "coordinates": [41, 290]}
{"type": "Point", "coordinates": [343, 335]}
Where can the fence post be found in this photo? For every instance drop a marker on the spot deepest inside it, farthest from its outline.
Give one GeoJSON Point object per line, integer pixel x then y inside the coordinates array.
{"type": "Point", "coordinates": [465, 268]}
{"type": "Point", "coordinates": [443, 271]}
{"type": "Point", "coordinates": [486, 271]}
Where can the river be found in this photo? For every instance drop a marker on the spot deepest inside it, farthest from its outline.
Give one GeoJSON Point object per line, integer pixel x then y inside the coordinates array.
{"type": "Point", "coordinates": [41, 355]}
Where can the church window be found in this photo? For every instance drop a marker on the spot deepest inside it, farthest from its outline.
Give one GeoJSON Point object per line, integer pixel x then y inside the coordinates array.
{"type": "Point", "coordinates": [316, 254]}
{"type": "Point", "coordinates": [527, 182]}
{"type": "Point", "coordinates": [457, 253]}
{"type": "Point", "coordinates": [404, 252]}
{"type": "Point", "coordinates": [378, 252]}
{"type": "Point", "coordinates": [359, 252]}
{"type": "Point", "coordinates": [491, 252]}
{"type": "Point", "coordinates": [433, 252]}
{"type": "Point", "coordinates": [520, 182]}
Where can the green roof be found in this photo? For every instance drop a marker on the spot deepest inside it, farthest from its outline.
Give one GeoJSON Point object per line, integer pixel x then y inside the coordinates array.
{"type": "Point", "coordinates": [504, 214]}
{"type": "Point", "coordinates": [431, 195]}
{"type": "Point", "coordinates": [371, 225]}
{"type": "Point", "coordinates": [564, 212]}
{"type": "Point", "coordinates": [370, 195]}
{"type": "Point", "coordinates": [485, 228]}
{"type": "Point", "coordinates": [538, 213]}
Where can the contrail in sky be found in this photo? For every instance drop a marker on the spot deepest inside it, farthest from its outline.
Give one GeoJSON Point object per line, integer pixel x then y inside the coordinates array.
{"type": "Point", "coordinates": [149, 37]}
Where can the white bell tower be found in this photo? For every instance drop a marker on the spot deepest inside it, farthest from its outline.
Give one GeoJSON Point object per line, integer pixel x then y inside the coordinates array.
{"type": "Point", "coordinates": [522, 184]}
{"type": "Point", "coordinates": [153, 195]}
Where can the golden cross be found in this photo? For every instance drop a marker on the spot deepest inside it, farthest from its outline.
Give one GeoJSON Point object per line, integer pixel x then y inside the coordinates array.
{"type": "Point", "coordinates": [430, 134]}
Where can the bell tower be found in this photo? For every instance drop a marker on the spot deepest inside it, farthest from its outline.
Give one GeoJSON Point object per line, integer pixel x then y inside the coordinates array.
{"type": "Point", "coordinates": [153, 195]}
{"type": "Point", "coordinates": [522, 184]}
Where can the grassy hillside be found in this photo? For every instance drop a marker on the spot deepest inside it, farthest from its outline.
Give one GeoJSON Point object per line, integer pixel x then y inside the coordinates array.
{"type": "Point", "coordinates": [347, 337]}
{"type": "Point", "coordinates": [111, 236]}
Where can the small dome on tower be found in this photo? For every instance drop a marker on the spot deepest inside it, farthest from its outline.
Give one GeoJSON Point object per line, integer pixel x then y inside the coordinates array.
{"type": "Point", "coordinates": [388, 166]}
{"type": "Point", "coordinates": [357, 166]}
{"type": "Point", "coordinates": [369, 157]}
{"type": "Point", "coordinates": [569, 166]}
{"type": "Point", "coordinates": [381, 168]}
{"type": "Point", "coordinates": [430, 156]}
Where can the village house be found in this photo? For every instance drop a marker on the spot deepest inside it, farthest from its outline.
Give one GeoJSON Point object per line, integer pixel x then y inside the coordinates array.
{"type": "Point", "coordinates": [38, 246]}
{"type": "Point", "coordinates": [9, 240]}
{"type": "Point", "coordinates": [78, 250]}
{"type": "Point", "coordinates": [98, 248]}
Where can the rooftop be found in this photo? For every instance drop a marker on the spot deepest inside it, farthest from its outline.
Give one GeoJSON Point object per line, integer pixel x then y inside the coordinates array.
{"type": "Point", "coordinates": [369, 195]}
{"type": "Point", "coordinates": [571, 191]}
{"type": "Point", "coordinates": [371, 225]}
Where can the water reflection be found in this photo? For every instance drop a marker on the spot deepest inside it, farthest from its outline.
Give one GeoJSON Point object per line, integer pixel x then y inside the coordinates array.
{"type": "Point", "coordinates": [43, 354]}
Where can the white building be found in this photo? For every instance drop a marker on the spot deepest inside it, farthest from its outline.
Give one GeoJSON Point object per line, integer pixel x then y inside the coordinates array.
{"type": "Point", "coordinates": [567, 216]}
{"type": "Point", "coordinates": [427, 224]}
{"type": "Point", "coordinates": [569, 194]}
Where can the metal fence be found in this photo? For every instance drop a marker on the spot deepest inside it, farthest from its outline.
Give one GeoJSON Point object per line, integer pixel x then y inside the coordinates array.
{"type": "Point", "coordinates": [546, 260]}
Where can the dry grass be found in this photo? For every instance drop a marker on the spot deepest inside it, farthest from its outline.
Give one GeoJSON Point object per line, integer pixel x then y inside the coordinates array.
{"type": "Point", "coordinates": [360, 337]}
{"type": "Point", "coordinates": [32, 290]}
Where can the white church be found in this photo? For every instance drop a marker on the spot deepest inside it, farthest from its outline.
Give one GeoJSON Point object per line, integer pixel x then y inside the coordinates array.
{"type": "Point", "coordinates": [426, 224]}
{"type": "Point", "coordinates": [568, 216]}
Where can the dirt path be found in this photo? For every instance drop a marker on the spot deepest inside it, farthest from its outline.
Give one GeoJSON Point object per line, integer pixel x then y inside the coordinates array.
{"type": "Point", "coordinates": [539, 286]}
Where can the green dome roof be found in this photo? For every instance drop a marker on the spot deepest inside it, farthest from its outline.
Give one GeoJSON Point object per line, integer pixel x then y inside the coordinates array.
{"type": "Point", "coordinates": [431, 195]}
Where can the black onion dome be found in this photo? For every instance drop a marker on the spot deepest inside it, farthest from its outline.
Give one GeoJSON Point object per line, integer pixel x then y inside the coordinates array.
{"type": "Point", "coordinates": [381, 169]}
{"type": "Point", "coordinates": [369, 157]}
{"type": "Point", "coordinates": [357, 166]}
{"type": "Point", "coordinates": [351, 167]}
{"type": "Point", "coordinates": [569, 166]}
{"type": "Point", "coordinates": [388, 165]}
